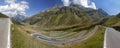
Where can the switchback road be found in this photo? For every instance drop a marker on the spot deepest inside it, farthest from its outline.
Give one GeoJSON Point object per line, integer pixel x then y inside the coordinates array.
{"type": "Point", "coordinates": [79, 38]}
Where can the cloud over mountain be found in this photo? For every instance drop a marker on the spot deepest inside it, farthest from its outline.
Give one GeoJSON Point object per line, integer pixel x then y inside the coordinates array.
{"type": "Point", "coordinates": [85, 3]}
{"type": "Point", "coordinates": [12, 8]}
{"type": "Point", "coordinates": [66, 2]}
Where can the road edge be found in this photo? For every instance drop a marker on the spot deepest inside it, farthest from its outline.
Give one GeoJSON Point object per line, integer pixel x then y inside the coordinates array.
{"type": "Point", "coordinates": [9, 24]}
{"type": "Point", "coordinates": [105, 45]}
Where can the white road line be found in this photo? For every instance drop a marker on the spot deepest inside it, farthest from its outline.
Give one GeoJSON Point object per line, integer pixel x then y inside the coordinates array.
{"type": "Point", "coordinates": [9, 24]}
{"type": "Point", "coordinates": [105, 45]}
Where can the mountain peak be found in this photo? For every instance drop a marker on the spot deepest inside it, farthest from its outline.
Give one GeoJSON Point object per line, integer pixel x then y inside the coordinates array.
{"type": "Point", "coordinates": [19, 18]}
{"type": "Point", "coordinates": [65, 16]}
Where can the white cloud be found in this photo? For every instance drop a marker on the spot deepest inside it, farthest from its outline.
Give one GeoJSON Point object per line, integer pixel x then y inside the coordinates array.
{"type": "Point", "coordinates": [85, 3]}
{"type": "Point", "coordinates": [9, 1]}
{"type": "Point", "coordinates": [81, 2]}
{"type": "Point", "coordinates": [12, 8]}
{"type": "Point", "coordinates": [66, 2]}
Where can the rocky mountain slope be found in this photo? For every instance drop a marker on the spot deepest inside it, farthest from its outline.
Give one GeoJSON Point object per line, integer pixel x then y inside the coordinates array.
{"type": "Point", "coordinates": [19, 18]}
{"type": "Point", "coordinates": [63, 24]}
{"type": "Point", "coordinates": [62, 17]}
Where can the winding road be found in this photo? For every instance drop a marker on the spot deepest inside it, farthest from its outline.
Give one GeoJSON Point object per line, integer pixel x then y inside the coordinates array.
{"type": "Point", "coordinates": [47, 40]}
{"type": "Point", "coordinates": [111, 38]}
{"type": "Point", "coordinates": [4, 33]}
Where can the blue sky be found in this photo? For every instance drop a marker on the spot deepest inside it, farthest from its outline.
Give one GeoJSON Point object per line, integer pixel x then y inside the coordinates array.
{"type": "Point", "coordinates": [110, 6]}
{"type": "Point", "coordinates": [32, 7]}
{"type": "Point", "coordinates": [39, 5]}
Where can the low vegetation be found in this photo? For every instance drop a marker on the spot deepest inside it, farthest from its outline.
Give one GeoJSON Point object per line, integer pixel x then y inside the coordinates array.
{"type": "Point", "coordinates": [95, 41]}
{"type": "Point", "coordinates": [21, 39]}
{"type": "Point", "coordinates": [66, 19]}
{"type": "Point", "coordinates": [113, 21]}
{"type": "Point", "coordinates": [3, 16]}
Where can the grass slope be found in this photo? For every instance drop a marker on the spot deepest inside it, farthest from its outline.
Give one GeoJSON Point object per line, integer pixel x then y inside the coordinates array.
{"type": "Point", "coordinates": [3, 16]}
{"type": "Point", "coordinates": [113, 21]}
{"type": "Point", "coordinates": [70, 19]}
{"type": "Point", "coordinates": [95, 41]}
{"type": "Point", "coordinates": [20, 39]}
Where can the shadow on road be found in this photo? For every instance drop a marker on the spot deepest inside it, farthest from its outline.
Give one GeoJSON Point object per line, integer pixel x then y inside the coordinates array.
{"type": "Point", "coordinates": [117, 28]}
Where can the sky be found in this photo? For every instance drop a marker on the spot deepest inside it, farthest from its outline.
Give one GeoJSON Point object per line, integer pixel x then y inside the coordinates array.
{"type": "Point", "coordinates": [32, 7]}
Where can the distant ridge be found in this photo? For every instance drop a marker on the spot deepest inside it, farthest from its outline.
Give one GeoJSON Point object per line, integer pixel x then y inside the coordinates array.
{"type": "Point", "coordinates": [60, 17]}
{"type": "Point", "coordinates": [3, 16]}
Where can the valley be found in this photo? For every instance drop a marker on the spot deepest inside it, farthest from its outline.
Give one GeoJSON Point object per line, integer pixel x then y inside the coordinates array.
{"type": "Point", "coordinates": [71, 39]}
{"type": "Point", "coordinates": [63, 27]}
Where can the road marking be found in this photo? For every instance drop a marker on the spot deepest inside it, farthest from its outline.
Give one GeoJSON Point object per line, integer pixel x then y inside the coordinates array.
{"type": "Point", "coordinates": [8, 45]}
{"type": "Point", "coordinates": [105, 45]}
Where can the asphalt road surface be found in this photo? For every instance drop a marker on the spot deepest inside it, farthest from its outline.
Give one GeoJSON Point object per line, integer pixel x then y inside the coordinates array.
{"type": "Point", "coordinates": [79, 38]}
{"type": "Point", "coordinates": [112, 38]}
{"type": "Point", "coordinates": [4, 33]}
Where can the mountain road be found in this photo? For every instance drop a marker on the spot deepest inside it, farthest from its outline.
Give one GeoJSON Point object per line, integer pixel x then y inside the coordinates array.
{"type": "Point", "coordinates": [4, 33]}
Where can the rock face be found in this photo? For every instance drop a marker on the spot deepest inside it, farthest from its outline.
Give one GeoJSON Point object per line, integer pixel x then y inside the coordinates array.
{"type": "Point", "coordinates": [62, 16]}
{"type": "Point", "coordinates": [19, 18]}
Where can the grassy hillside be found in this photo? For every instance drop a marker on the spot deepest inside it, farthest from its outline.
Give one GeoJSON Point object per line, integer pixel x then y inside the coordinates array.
{"type": "Point", "coordinates": [65, 22]}
{"type": "Point", "coordinates": [95, 41]}
{"type": "Point", "coordinates": [22, 39]}
{"type": "Point", "coordinates": [118, 15]}
{"type": "Point", "coordinates": [3, 16]}
{"type": "Point", "coordinates": [114, 22]}
{"type": "Point", "coordinates": [65, 18]}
